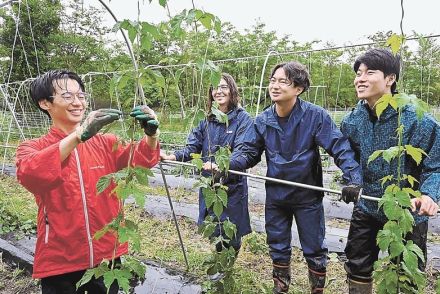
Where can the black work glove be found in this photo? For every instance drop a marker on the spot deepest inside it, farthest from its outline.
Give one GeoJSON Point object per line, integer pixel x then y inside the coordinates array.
{"type": "Point", "coordinates": [147, 119]}
{"type": "Point", "coordinates": [95, 121]}
{"type": "Point", "coordinates": [351, 193]}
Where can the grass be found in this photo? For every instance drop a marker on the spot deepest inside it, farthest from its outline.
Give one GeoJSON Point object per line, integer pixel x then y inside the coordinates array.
{"type": "Point", "coordinates": [18, 210]}
{"type": "Point", "coordinates": [14, 280]}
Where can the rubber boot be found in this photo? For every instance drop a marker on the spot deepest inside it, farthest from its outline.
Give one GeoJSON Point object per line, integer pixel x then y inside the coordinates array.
{"type": "Point", "coordinates": [357, 287]}
{"type": "Point", "coordinates": [317, 281]}
{"type": "Point", "coordinates": [281, 277]}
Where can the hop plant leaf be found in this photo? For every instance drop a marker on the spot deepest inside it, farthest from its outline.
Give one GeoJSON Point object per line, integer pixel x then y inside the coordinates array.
{"type": "Point", "coordinates": [395, 42]}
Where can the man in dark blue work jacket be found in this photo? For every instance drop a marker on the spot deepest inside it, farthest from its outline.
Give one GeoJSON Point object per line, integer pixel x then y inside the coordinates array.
{"type": "Point", "coordinates": [291, 132]}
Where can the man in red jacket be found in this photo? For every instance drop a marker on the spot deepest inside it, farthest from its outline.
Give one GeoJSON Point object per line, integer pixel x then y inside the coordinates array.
{"type": "Point", "coordinates": [62, 168]}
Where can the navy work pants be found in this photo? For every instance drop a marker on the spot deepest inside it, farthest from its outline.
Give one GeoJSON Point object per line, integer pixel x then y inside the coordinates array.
{"type": "Point", "coordinates": [310, 223]}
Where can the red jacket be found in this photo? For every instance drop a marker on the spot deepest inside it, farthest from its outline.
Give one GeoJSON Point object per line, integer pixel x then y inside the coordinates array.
{"type": "Point", "coordinates": [70, 211]}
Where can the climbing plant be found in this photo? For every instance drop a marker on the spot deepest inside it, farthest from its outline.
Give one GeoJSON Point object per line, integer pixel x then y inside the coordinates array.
{"type": "Point", "coordinates": [218, 230]}
{"type": "Point", "coordinates": [128, 180]}
{"type": "Point", "coordinates": [398, 271]}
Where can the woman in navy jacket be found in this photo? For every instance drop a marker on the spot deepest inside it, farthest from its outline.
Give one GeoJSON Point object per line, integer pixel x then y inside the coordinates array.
{"type": "Point", "coordinates": [207, 138]}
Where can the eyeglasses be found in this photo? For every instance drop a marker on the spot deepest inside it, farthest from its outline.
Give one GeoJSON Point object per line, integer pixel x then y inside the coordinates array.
{"type": "Point", "coordinates": [222, 88]}
{"type": "Point", "coordinates": [69, 97]}
{"type": "Point", "coordinates": [281, 82]}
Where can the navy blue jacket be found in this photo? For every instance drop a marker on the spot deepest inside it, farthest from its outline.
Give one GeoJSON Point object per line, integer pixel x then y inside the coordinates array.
{"type": "Point", "coordinates": [367, 134]}
{"type": "Point", "coordinates": [206, 138]}
{"type": "Point", "coordinates": [292, 153]}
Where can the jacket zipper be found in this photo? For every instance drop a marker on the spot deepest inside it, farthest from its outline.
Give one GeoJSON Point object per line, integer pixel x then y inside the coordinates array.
{"type": "Point", "coordinates": [46, 220]}
{"type": "Point", "coordinates": [86, 215]}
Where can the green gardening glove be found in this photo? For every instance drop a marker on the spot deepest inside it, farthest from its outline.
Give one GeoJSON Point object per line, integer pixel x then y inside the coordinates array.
{"type": "Point", "coordinates": [95, 121]}
{"type": "Point", "coordinates": [147, 119]}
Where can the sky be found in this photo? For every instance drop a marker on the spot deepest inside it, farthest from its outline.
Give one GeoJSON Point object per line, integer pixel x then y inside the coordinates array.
{"type": "Point", "coordinates": [338, 21]}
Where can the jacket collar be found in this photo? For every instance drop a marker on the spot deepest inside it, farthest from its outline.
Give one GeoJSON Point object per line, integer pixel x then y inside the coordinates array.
{"type": "Point", "coordinates": [297, 113]}
{"type": "Point", "coordinates": [387, 114]}
{"type": "Point", "coordinates": [56, 133]}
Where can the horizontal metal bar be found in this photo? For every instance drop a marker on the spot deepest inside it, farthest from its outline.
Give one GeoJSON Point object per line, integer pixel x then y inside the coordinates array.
{"type": "Point", "coordinates": [284, 182]}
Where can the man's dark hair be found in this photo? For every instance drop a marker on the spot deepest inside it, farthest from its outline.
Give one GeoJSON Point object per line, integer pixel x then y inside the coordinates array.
{"type": "Point", "coordinates": [233, 90]}
{"type": "Point", "coordinates": [380, 59]}
{"type": "Point", "coordinates": [42, 88]}
{"type": "Point", "coordinates": [295, 72]}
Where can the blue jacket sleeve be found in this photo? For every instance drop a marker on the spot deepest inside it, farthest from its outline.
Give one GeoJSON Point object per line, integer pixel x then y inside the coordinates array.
{"type": "Point", "coordinates": [329, 137]}
{"type": "Point", "coordinates": [429, 138]}
{"type": "Point", "coordinates": [194, 143]}
{"type": "Point", "coordinates": [244, 153]}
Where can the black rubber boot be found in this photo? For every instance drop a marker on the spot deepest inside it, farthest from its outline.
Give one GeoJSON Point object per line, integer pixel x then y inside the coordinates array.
{"type": "Point", "coordinates": [281, 278]}
{"type": "Point", "coordinates": [317, 281]}
{"type": "Point", "coordinates": [357, 287]}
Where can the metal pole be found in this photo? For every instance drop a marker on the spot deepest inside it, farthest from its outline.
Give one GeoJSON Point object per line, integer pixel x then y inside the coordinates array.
{"type": "Point", "coordinates": [174, 215]}
{"type": "Point", "coordinates": [284, 182]}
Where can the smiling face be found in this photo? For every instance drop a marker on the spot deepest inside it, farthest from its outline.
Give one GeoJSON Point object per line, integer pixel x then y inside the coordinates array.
{"type": "Point", "coordinates": [65, 115]}
{"type": "Point", "coordinates": [222, 95]}
{"type": "Point", "coordinates": [282, 90]}
{"type": "Point", "coordinates": [372, 84]}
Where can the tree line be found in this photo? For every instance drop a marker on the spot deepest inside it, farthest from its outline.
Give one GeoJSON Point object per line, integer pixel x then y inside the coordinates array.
{"type": "Point", "coordinates": [54, 34]}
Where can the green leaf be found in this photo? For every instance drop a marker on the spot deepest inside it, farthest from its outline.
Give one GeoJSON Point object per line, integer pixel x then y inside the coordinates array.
{"type": "Point", "coordinates": [392, 210]}
{"type": "Point", "coordinates": [149, 29]}
{"type": "Point", "coordinates": [396, 248]}
{"type": "Point", "coordinates": [390, 153]}
{"type": "Point", "coordinates": [400, 129]}
{"type": "Point", "coordinates": [390, 278]}
{"type": "Point", "coordinates": [383, 239]}
{"type": "Point", "coordinates": [122, 234]}
{"type": "Point", "coordinates": [394, 42]}
{"type": "Point", "coordinates": [406, 221]}
{"type": "Point", "coordinates": [123, 277]}
{"type": "Point", "coordinates": [374, 155]}
{"type": "Point", "coordinates": [103, 183]}
{"type": "Point", "coordinates": [135, 266]}
{"type": "Point", "coordinates": [395, 230]}
{"type": "Point", "coordinates": [137, 194]}
{"type": "Point", "coordinates": [222, 158]}
{"type": "Point", "coordinates": [206, 19]}
{"type": "Point", "coordinates": [219, 115]}
{"type": "Point", "coordinates": [416, 249]}
{"type": "Point", "coordinates": [230, 229]}
{"type": "Point", "coordinates": [218, 208]}
{"type": "Point", "coordinates": [163, 3]}
{"type": "Point", "coordinates": [413, 193]}
{"type": "Point", "coordinates": [87, 276]}
{"type": "Point", "coordinates": [421, 107]}
{"type": "Point", "coordinates": [411, 180]}
{"type": "Point", "coordinates": [197, 162]}
{"type": "Point", "coordinates": [415, 153]}
{"type": "Point", "coordinates": [215, 77]}
{"type": "Point", "coordinates": [98, 234]}
{"type": "Point", "coordinates": [382, 104]}
{"type": "Point", "coordinates": [146, 43]}
{"type": "Point", "coordinates": [109, 278]}
{"type": "Point", "coordinates": [223, 196]}
{"type": "Point", "coordinates": [403, 199]}
{"type": "Point", "coordinates": [217, 25]}
{"type": "Point", "coordinates": [209, 196]}
{"type": "Point", "coordinates": [208, 228]}
{"type": "Point", "coordinates": [410, 260]}
{"type": "Point", "coordinates": [123, 191]}
{"type": "Point", "coordinates": [386, 179]}
{"type": "Point", "coordinates": [142, 174]}
{"type": "Point", "coordinates": [132, 33]}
